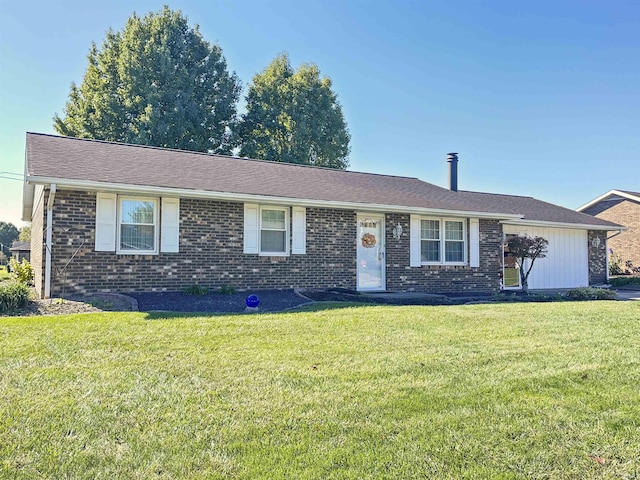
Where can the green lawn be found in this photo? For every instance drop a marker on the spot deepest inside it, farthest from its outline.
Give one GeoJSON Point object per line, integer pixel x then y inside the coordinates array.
{"type": "Point", "coordinates": [482, 391]}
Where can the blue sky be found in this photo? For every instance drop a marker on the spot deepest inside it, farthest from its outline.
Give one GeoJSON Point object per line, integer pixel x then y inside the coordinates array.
{"type": "Point", "coordinates": [539, 98]}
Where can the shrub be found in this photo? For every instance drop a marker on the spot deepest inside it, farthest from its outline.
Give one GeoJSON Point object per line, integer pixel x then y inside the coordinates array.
{"type": "Point", "coordinates": [22, 272]}
{"type": "Point", "coordinates": [13, 295]}
{"type": "Point", "coordinates": [196, 290]}
{"type": "Point", "coordinates": [630, 269]}
{"type": "Point", "coordinates": [590, 293]}
{"type": "Point", "coordinates": [615, 264]}
{"type": "Point", "coordinates": [227, 290]}
{"type": "Point", "coordinates": [620, 281]}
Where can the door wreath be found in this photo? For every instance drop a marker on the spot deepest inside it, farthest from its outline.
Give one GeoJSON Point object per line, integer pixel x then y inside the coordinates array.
{"type": "Point", "coordinates": [369, 240]}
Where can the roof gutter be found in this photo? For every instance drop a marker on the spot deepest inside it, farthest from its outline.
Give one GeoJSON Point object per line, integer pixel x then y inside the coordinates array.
{"type": "Point", "coordinates": [242, 197]}
{"type": "Point", "coordinates": [579, 226]}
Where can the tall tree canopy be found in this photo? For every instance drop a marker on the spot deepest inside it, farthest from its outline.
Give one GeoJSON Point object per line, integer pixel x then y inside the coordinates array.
{"type": "Point", "coordinates": [8, 234]}
{"type": "Point", "coordinates": [25, 233]}
{"type": "Point", "coordinates": [294, 116]}
{"type": "Point", "coordinates": [157, 82]}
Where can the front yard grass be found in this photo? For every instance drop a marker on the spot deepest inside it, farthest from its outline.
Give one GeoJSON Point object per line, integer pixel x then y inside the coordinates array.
{"type": "Point", "coordinates": [478, 391]}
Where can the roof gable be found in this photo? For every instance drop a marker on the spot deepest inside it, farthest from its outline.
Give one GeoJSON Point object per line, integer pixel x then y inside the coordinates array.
{"type": "Point", "coordinates": [611, 195]}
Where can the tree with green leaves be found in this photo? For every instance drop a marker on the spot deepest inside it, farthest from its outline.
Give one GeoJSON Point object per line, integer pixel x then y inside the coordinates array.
{"type": "Point", "coordinates": [294, 116]}
{"type": "Point", "coordinates": [525, 248]}
{"type": "Point", "coordinates": [8, 234]}
{"type": "Point", "coordinates": [157, 82]}
{"type": "Point", "coordinates": [25, 233]}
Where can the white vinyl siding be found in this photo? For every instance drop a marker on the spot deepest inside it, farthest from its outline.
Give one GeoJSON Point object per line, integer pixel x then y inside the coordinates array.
{"type": "Point", "coordinates": [170, 225]}
{"type": "Point", "coordinates": [566, 264]}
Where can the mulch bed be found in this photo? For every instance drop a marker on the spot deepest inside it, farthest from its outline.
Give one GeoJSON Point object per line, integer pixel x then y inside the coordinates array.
{"type": "Point", "coordinates": [75, 304]}
{"type": "Point", "coordinates": [270, 301]}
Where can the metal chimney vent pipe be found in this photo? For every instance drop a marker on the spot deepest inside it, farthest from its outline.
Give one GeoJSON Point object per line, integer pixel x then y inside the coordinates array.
{"type": "Point", "coordinates": [452, 159]}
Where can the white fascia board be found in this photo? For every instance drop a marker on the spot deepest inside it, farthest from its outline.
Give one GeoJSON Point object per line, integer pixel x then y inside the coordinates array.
{"type": "Point", "coordinates": [608, 194]}
{"type": "Point", "coordinates": [264, 199]}
{"type": "Point", "coordinates": [577, 226]}
{"type": "Point", "coordinates": [28, 190]}
{"type": "Point", "coordinates": [28, 193]}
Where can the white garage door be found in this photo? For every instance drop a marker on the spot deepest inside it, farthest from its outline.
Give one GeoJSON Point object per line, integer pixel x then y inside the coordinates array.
{"type": "Point", "coordinates": [567, 262]}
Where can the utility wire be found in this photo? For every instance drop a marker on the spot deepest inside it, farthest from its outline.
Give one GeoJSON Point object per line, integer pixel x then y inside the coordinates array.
{"type": "Point", "coordinates": [12, 176]}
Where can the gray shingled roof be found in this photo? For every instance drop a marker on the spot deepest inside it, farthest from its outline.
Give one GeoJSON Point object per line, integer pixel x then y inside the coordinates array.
{"type": "Point", "coordinates": [20, 246]}
{"type": "Point", "coordinates": [635, 194]}
{"type": "Point", "coordinates": [50, 156]}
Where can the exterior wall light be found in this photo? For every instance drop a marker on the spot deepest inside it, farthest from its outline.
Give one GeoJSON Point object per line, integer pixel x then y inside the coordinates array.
{"type": "Point", "coordinates": [397, 231]}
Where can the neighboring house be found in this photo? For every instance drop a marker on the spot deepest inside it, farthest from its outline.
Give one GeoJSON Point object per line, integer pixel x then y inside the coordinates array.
{"type": "Point", "coordinates": [20, 250]}
{"type": "Point", "coordinates": [621, 207]}
{"type": "Point", "coordinates": [132, 218]}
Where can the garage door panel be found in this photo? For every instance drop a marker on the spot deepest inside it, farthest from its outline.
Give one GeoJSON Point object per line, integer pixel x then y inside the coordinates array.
{"type": "Point", "coordinates": [566, 264]}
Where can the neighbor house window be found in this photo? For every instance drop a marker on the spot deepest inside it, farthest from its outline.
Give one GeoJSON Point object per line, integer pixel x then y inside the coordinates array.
{"type": "Point", "coordinates": [137, 225]}
{"type": "Point", "coordinates": [442, 241]}
{"type": "Point", "coordinates": [274, 230]}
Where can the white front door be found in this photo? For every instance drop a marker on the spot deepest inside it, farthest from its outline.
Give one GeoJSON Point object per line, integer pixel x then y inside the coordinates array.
{"type": "Point", "coordinates": [371, 260]}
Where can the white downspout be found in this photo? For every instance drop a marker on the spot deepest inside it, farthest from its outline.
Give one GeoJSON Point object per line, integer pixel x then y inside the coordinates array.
{"type": "Point", "coordinates": [47, 264]}
{"type": "Point", "coordinates": [606, 246]}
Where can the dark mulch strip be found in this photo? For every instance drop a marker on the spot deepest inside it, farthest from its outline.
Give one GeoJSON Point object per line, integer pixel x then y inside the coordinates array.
{"type": "Point", "coordinates": [270, 301]}
{"type": "Point", "coordinates": [344, 295]}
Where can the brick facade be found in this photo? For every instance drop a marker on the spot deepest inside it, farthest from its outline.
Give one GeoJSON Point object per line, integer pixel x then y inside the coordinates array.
{"type": "Point", "coordinates": [597, 245]}
{"type": "Point", "coordinates": [622, 211]}
{"type": "Point", "coordinates": [211, 252]}
{"type": "Point", "coordinates": [443, 278]}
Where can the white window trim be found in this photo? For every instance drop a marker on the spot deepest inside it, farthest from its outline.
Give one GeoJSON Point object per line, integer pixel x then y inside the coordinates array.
{"type": "Point", "coordinates": [287, 230]}
{"type": "Point", "coordinates": [156, 203]}
{"type": "Point", "coordinates": [465, 242]}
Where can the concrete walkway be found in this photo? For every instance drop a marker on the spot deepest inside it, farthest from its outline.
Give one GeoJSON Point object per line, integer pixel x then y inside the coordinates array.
{"type": "Point", "coordinates": [628, 294]}
{"type": "Point", "coordinates": [417, 298]}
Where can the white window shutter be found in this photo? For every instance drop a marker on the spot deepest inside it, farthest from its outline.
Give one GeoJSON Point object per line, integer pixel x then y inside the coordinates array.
{"type": "Point", "coordinates": [299, 231]}
{"type": "Point", "coordinates": [251, 228]}
{"type": "Point", "coordinates": [414, 244]}
{"type": "Point", "coordinates": [474, 242]}
{"type": "Point", "coordinates": [170, 225]}
{"type": "Point", "coordinates": [106, 222]}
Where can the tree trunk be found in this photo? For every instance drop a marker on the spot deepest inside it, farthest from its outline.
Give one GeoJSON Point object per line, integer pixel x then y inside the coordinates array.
{"type": "Point", "coordinates": [524, 280]}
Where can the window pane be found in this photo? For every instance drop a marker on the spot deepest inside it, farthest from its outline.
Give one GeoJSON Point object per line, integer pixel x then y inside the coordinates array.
{"type": "Point", "coordinates": [453, 231]}
{"type": "Point", "coordinates": [430, 251]}
{"type": "Point", "coordinates": [430, 230]}
{"type": "Point", "coordinates": [137, 237]}
{"type": "Point", "coordinates": [454, 251]}
{"type": "Point", "coordinates": [271, 241]}
{"type": "Point", "coordinates": [136, 211]}
{"type": "Point", "coordinates": [273, 219]}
